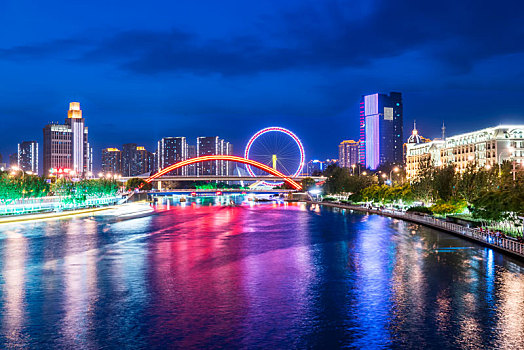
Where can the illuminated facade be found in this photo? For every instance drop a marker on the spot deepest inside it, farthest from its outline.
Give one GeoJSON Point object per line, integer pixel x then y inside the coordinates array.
{"type": "Point", "coordinates": [66, 145]}
{"type": "Point", "coordinates": [28, 156]}
{"type": "Point", "coordinates": [381, 130]}
{"type": "Point", "coordinates": [484, 148]}
{"type": "Point", "coordinates": [348, 153]}
{"type": "Point", "coordinates": [314, 167]}
{"type": "Point", "coordinates": [191, 153]}
{"type": "Point", "coordinates": [112, 161]}
{"type": "Point", "coordinates": [422, 155]}
{"type": "Point", "coordinates": [171, 150]}
{"type": "Point", "coordinates": [212, 145]}
{"type": "Point", "coordinates": [413, 139]}
{"type": "Point", "coordinates": [136, 160]}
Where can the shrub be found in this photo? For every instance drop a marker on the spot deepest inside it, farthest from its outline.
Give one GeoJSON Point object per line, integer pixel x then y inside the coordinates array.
{"type": "Point", "coordinates": [420, 209]}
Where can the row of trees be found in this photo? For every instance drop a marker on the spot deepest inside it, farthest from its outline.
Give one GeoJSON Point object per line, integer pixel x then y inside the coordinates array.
{"type": "Point", "coordinates": [13, 187]}
{"type": "Point", "coordinates": [80, 191]}
{"type": "Point", "coordinates": [490, 194]}
{"type": "Point", "coordinates": [16, 187]}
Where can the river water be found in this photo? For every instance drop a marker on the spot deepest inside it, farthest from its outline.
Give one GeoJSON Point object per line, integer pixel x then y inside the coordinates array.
{"type": "Point", "coordinates": [202, 275]}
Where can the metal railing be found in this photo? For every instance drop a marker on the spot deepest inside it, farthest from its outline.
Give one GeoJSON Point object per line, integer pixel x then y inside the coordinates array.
{"type": "Point", "coordinates": [507, 244]}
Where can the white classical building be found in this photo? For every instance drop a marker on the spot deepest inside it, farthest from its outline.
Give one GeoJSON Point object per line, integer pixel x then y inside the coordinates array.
{"type": "Point", "coordinates": [484, 148]}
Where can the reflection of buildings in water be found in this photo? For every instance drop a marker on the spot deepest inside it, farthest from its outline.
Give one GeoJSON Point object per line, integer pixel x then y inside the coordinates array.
{"type": "Point", "coordinates": [277, 276]}
{"type": "Point", "coordinates": [80, 279]}
{"type": "Point", "coordinates": [373, 296]}
{"type": "Point", "coordinates": [14, 265]}
{"type": "Point", "coordinates": [470, 331]}
{"type": "Point", "coordinates": [409, 284]}
{"type": "Point", "coordinates": [510, 290]}
{"type": "Point", "coordinates": [193, 277]}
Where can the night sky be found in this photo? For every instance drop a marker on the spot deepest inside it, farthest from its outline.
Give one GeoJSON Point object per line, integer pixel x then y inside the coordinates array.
{"type": "Point", "coordinates": [143, 70]}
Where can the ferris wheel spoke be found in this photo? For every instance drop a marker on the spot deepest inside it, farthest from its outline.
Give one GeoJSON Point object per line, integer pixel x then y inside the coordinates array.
{"type": "Point", "coordinates": [272, 142]}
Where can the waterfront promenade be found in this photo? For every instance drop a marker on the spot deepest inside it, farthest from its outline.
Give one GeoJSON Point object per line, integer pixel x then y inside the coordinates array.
{"type": "Point", "coordinates": [504, 244]}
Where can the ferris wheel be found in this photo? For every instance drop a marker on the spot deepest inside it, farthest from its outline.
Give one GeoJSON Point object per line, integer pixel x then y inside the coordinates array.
{"type": "Point", "coordinates": [278, 148]}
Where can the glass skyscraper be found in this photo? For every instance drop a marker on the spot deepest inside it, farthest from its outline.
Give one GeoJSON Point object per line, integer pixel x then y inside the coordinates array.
{"type": "Point", "coordinates": [381, 130]}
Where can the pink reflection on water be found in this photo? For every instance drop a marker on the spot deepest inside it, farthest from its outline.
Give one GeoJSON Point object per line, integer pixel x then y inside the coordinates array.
{"type": "Point", "coordinates": [209, 279]}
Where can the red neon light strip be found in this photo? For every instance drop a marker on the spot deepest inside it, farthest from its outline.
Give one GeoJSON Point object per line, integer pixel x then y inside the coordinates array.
{"type": "Point", "coordinates": [256, 164]}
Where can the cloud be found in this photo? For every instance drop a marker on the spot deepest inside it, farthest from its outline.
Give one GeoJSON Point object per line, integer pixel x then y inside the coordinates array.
{"type": "Point", "coordinates": [329, 35]}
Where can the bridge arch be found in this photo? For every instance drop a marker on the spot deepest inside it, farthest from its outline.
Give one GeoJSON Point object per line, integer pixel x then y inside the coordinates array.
{"type": "Point", "coordinates": [256, 164]}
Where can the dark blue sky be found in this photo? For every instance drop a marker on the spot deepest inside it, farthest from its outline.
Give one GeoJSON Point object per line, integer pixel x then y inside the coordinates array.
{"type": "Point", "coordinates": [147, 69]}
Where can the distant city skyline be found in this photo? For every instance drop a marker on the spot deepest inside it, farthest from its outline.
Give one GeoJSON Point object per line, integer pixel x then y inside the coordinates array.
{"type": "Point", "coordinates": [151, 144]}
{"type": "Point", "coordinates": [299, 65]}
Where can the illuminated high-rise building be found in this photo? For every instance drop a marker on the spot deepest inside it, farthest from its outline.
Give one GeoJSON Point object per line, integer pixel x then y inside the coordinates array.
{"type": "Point", "coordinates": [172, 150]}
{"type": "Point", "coordinates": [212, 145]}
{"type": "Point", "coordinates": [112, 161]}
{"type": "Point", "coordinates": [136, 160]}
{"type": "Point", "coordinates": [191, 153]}
{"type": "Point", "coordinates": [348, 153]}
{"type": "Point", "coordinates": [314, 167]}
{"type": "Point", "coordinates": [381, 130]}
{"type": "Point", "coordinates": [28, 156]}
{"type": "Point", "coordinates": [66, 145]}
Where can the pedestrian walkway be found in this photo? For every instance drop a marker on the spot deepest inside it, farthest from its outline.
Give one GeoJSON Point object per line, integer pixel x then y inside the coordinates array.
{"type": "Point", "coordinates": [489, 239]}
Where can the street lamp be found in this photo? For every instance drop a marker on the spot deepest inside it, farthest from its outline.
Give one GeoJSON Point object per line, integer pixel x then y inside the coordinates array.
{"type": "Point", "coordinates": [395, 169]}
{"type": "Point", "coordinates": [353, 167]}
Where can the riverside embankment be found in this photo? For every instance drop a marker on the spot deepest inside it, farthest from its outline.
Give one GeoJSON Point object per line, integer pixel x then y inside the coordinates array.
{"type": "Point", "coordinates": [506, 245]}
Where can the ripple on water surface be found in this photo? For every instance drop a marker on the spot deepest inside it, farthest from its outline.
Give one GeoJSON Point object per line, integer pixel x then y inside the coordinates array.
{"type": "Point", "coordinates": [253, 276]}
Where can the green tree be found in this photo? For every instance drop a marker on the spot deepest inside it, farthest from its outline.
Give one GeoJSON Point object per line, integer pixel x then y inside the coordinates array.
{"type": "Point", "coordinates": [444, 182]}
{"type": "Point", "coordinates": [307, 184]}
{"type": "Point", "coordinates": [136, 182]}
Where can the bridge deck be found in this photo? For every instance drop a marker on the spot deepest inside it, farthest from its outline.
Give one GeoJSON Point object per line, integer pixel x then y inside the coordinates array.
{"type": "Point", "coordinates": [224, 178]}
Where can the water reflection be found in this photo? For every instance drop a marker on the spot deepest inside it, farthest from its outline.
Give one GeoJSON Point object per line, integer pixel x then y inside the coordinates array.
{"type": "Point", "coordinates": [207, 274]}
{"type": "Point", "coordinates": [13, 272]}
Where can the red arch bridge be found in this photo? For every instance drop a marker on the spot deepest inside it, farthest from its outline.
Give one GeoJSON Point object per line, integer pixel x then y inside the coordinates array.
{"type": "Point", "coordinates": [272, 173]}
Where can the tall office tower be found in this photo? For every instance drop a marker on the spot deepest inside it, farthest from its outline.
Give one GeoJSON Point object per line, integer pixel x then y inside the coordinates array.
{"type": "Point", "coordinates": [66, 145]}
{"type": "Point", "coordinates": [191, 153]}
{"type": "Point", "coordinates": [28, 156]}
{"type": "Point", "coordinates": [212, 145]}
{"type": "Point", "coordinates": [382, 128]}
{"type": "Point", "coordinates": [172, 150]}
{"type": "Point", "coordinates": [112, 161]}
{"type": "Point", "coordinates": [136, 160]}
{"type": "Point", "coordinates": [314, 167]}
{"type": "Point", "coordinates": [226, 168]}
{"type": "Point", "coordinates": [348, 153]}
{"type": "Point", "coordinates": [207, 146]}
